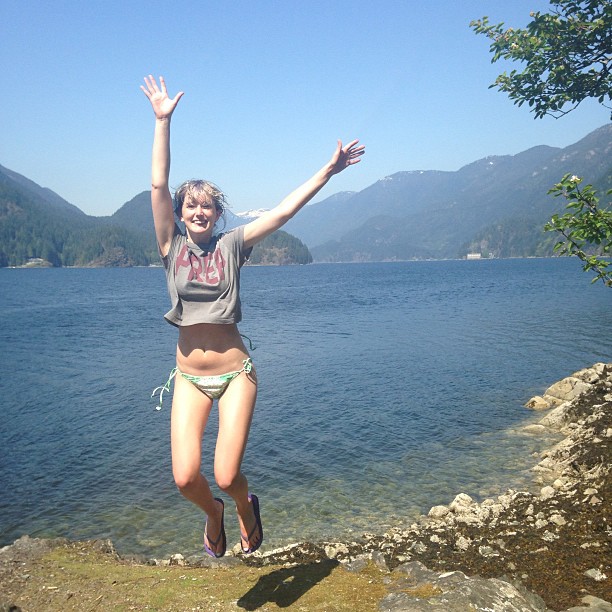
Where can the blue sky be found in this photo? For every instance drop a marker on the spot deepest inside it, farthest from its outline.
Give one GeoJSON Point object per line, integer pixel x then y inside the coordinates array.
{"type": "Point", "coordinates": [269, 88]}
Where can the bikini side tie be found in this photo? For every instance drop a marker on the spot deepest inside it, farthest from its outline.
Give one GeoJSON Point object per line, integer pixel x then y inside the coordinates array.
{"type": "Point", "coordinates": [164, 388]}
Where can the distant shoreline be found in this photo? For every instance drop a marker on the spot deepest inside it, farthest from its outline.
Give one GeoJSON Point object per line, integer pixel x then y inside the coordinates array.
{"type": "Point", "coordinates": [43, 264]}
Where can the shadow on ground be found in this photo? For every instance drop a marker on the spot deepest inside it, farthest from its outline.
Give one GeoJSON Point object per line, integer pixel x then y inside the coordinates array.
{"type": "Point", "coordinates": [285, 586]}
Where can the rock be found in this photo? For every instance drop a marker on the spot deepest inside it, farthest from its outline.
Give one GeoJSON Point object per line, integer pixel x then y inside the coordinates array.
{"type": "Point", "coordinates": [595, 574]}
{"type": "Point", "coordinates": [548, 463]}
{"type": "Point", "coordinates": [561, 483]}
{"type": "Point", "coordinates": [507, 498]}
{"type": "Point", "coordinates": [414, 573]}
{"type": "Point", "coordinates": [461, 504]}
{"type": "Point", "coordinates": [557, 519]}
{"type": "Point", "coordinates": [534, 428]}
{"type": "Point", "coordinates": [590, 545]}
{"type": "Point", "coordinates": [438, 512]}
{"type": "Point", "coordinates": [469, 519]}
{"type": "Point", "coordinates": [379, 561]}
{"type": "Point", "coordinates": [538, 403]}
{"type": "Point", "coordinates": [105, 546]}
{"type": "Point", "coordinates": [557, 417]}
{"type": "Point", "coordinates": [176, 559]}
{"type": "Point", "coordinates": [358, 564]}
{"type": "Point", "coordinates": [549, 536]}
{"type": "Point", "coordinates": [26, 548]}
{"type": "Point", "coordinates": [495, 510]}
{"type": "Point", "coordinates": [462, 543]}
{"type": "Point", "coordinates": [333, 550]}
{"type": "Point", "coordinates": [418, 548]}
{"type": "Point", "coordinates": [566, 390]}
{"type": "Point", "coordinates": [592, 604]}
{"type": "Point", "coordinates": [593, 374]}
{"type": "Point", "coordinates": [415, 588]}
{"type": "Point", "coordinates": [547, 493]}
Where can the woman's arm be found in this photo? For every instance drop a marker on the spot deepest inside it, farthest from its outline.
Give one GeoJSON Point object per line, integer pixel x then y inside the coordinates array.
{"type": "Point", "coordinates": [161, 200]}
{"type": "Point", "coordinates": [257, 230]}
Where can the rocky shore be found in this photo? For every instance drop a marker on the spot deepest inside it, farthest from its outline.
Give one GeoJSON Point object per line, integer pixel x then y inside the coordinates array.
{"type": "Point", "coordinates": [524, 550]}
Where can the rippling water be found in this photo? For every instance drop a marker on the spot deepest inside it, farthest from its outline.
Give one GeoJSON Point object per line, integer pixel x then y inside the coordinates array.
{"type": "Point", "coordinates": [384, 389]}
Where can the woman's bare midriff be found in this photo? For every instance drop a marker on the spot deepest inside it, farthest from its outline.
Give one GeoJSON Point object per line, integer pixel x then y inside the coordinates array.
{"type": "Point", "coordinates": [209, 349]}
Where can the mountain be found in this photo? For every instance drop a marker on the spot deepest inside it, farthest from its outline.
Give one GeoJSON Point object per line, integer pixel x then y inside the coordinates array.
{"type": "Point", "coordinates": [434, 214]}
{"type": "Point", "coordinates": [324, 220]}
{"type": "Point", "coordinates": [497, 205]}
{"type": "Point", "coordinates": [42, 194]}
{"type": "Point", "coordinates": [278, 249]}
{"type": "Point", "coordinates": [38, 227]}
{"type": "Point", "coordinates": [135, 214]}
{"type": "Point", "coordinates": [37, 224]}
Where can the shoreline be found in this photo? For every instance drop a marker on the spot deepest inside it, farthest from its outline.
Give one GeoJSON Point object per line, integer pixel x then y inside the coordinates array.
{"type": "Point", "coordinates": [555, 543]}
{"type": "Point", "coordinates": [38, 263]}
{"type": "Point", "coordinates": [549, 549]}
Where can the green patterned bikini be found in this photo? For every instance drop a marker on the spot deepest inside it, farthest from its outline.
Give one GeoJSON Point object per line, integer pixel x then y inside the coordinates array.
{"type": "Point", "coordinates": [212, 386]}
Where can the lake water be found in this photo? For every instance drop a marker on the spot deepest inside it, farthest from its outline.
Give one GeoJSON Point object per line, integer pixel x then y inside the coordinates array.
{"type": "Point", "coordinates": [385, 389]}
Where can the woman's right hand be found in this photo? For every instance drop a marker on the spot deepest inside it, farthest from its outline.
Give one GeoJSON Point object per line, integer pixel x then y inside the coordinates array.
{"type": "Point", "coordinates": [163, 105]}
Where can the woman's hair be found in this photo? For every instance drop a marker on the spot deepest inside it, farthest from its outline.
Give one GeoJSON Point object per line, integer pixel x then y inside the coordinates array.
{"type": "Point", "coordinates": [195, 189]}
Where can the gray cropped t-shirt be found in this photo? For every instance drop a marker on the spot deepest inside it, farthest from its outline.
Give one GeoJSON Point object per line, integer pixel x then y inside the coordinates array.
{"type": "Point", "coordinates": [204, 284]}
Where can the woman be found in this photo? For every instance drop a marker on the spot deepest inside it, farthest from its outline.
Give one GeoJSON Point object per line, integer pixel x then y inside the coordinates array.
{"type": "Point", "coordinates": [212, 362]}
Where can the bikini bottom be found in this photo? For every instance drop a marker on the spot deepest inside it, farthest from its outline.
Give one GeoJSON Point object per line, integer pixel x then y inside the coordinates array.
{"type": "Point", "coordinates": [212, 386]}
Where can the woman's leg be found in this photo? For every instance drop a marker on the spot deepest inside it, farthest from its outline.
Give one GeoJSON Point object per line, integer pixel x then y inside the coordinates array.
{"type": "Point", "coordinates": [236, 408]}
{"type": "Point", "coordinates": [190, 412]}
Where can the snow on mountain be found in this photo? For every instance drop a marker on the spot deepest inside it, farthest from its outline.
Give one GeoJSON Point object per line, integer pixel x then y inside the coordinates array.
{"type": "Point", "coordinates": [251, 214]}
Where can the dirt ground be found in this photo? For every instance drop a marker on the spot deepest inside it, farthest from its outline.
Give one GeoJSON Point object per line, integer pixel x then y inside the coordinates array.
{"type": "Point", "coordinates": [83, 576]}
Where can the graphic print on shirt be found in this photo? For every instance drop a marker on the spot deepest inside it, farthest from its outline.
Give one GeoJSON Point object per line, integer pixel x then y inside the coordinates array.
{"type": "Point", "coordinates": [209, 269]}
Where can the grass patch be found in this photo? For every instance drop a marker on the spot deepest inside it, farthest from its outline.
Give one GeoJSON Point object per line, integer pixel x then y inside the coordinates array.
{"type": "Point", "coordinates": [77, 577]}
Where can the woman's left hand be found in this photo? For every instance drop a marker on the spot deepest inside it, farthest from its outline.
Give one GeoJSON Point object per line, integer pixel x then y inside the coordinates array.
{"type": "Point", "coordinates": [346, 156]}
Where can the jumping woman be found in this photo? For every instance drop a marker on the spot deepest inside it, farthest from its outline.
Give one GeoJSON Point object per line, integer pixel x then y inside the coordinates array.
{"type": "Point", "coordinates": [212, 362]}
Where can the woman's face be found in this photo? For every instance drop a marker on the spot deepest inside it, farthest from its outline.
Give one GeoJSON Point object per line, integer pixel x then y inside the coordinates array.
{"type": "Point", "coordinates": [199, 216]}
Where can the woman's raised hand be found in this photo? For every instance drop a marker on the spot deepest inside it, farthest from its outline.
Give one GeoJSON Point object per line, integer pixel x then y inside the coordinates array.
{"type": "Point", "coordinates": [344, 157]}
{"type": "Point", "coordinates": [163, 105]}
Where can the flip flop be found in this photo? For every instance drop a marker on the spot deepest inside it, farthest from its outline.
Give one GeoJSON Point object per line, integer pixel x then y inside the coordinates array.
{"type": "Point", "coordinates": [221, 536]}
{"type": "Point", "coordinates": [252, 549]}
